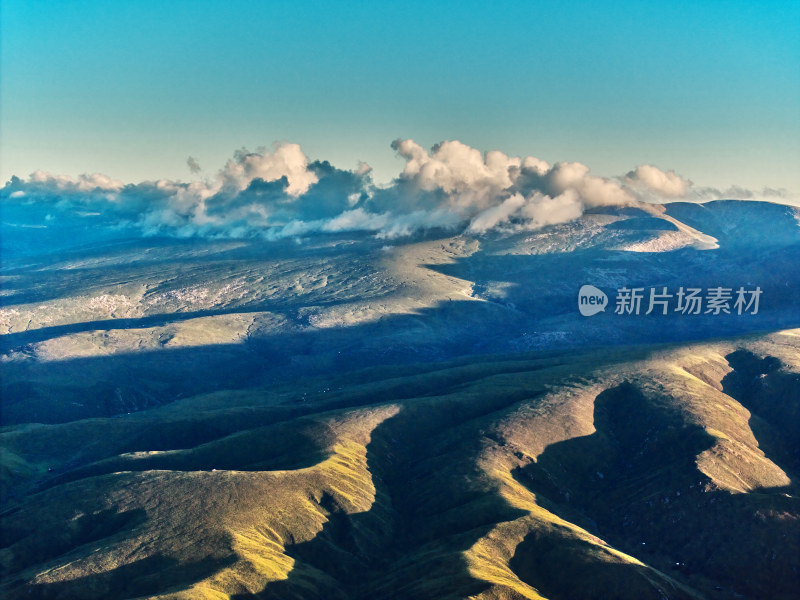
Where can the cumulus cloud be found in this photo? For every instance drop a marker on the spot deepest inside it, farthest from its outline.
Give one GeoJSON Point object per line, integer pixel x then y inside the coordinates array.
{"type": "Point", "coordinates": [668, 184]}
{"type": "Point", "coordinates": [497, 191]}
{"type": "Point", "coordinates": [542, 210]}
{"type": "Point", "coordinates": [84, 183]}
{"type": "Point", "coordinates": [285, 161]}
{"type": "Point", "coordinates": [497, 214]}
{"type": "Point", "coordinates": [281, 193]}
{"type": "Point", "coordinates": [467, 178]}
{"type": "Point", "coordinates": [518, 213]}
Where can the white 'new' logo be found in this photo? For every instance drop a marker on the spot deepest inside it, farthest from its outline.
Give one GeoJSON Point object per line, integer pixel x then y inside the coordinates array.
{"type": "Point", "coordinates": [591, 300]}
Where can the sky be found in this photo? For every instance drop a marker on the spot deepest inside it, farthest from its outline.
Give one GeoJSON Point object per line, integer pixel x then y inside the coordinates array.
{"type": "Point", "coordinates": [130, 89]}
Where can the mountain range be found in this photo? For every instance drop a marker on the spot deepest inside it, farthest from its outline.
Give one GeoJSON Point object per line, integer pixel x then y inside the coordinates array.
{"type": "Point", "coordinates": [346, 416]}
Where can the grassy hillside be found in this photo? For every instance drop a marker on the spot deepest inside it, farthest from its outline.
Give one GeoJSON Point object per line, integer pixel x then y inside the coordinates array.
{"type": "Point", "coordinates": [661, 472]}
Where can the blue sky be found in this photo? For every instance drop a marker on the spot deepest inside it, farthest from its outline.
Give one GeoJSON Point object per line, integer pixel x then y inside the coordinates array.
{"type": "Point", "coordinates": [131, 89]}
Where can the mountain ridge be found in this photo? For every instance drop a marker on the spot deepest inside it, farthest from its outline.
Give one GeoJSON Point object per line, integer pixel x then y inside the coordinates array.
{"type": "Point", "coordinates": [431, 418]}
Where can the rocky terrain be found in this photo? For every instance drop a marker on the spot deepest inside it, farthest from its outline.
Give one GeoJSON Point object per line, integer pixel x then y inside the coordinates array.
{"type": "Point", "coordinates": [344, 416]}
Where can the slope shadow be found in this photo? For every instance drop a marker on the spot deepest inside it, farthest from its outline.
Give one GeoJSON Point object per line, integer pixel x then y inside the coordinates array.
{"type": "Point", "coordinates": [560, 568]}
{"type": "Point", "coordinates": [94, 446]}
{"type": "Point", "coordinates": [634, 482]}
{"type": "Point", "coordinates": [772, 395]}
{"type": "Point", "coordinates": [331, 565]}
{"type": "Point", "coordinates": [542, 301]}
{"type": "Point", "coordinates": [542, 289]}
{"type": "Point", "coordinates": [280, 446]}
{"type": "Point", "coordinates": [27, 549]}
{"type": "Point", "coordinates": [406, 545]}
{"type": "Point", "coordinates": [146, 577]}
{"type": "Point", "coordinates": [76, 388]}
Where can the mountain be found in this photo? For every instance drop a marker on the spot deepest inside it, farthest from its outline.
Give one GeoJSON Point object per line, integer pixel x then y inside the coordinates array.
{"type": "Point", "coordinates": [640, 473]}
{"type": "Point", "coordinates": [351, 417]}
{"type": "Point", "coordinates": [120, 326]}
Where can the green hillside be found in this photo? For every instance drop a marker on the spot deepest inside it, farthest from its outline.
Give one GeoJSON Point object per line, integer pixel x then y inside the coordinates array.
{"type": "Point", "coordinates": [661, 472]}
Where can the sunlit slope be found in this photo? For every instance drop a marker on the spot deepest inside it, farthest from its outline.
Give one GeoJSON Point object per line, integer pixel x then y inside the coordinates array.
{"type": "Point", "coordinates": [663, 472]}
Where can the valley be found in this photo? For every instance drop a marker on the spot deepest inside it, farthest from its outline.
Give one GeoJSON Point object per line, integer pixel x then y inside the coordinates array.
{"type": "Point", "coordinates": [344, 417]}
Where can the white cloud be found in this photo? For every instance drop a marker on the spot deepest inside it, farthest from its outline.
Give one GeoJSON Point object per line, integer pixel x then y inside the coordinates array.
{"type": "Point", "coordinates": [517, 213]}
{"type": "Point", "coordinates": [496, 215]}
{"type": "Point", "coordinates": [84, 183]}
{"type": "Point", "coordinates": [542, 210]}
{"type": "Point", "coordinates": [594, 191]}
{"type": "Point", "coordinates": [405, 224]}
{"type": "Point", "coordinates": [280, 193]}
{"type": "Point", "coordinates": [667, 184]}
{"type": "Point", "coordinates": [286, 160]}
{"type": "Point", "coordinates": [357, 220]}
{"type": "Point", "coordinates": [473, 182]}
{"type": "Point", "coordinates": [469, 179]}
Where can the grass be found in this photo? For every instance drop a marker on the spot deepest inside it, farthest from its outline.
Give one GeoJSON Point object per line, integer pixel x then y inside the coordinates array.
{"type": "Point", "coordinates": [635, 475]}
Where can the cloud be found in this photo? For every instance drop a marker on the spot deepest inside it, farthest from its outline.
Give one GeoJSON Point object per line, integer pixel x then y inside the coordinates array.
{"type": "Point", "coordinates": [468, 179]}
{"type": "Point", "coordinates": [517, 213]}
{"type": "Point", "coordinates": [281, 193]}
{"type": "Point", "coordinates": [769, 192]}
{"type": "Point", "coordinates": [735, 192]}
{"type": "Point", "coordinates": [194, 166]}
{"type": "Point", "coordinates": [357, 220]}
{"type": "Point", "coordinates": [84, 183]}
{"type": "Point", "coordinates": [469, 183]}
{"type": "Point", "coordinates": [667, 184]}
{"type": "Point", "coordinates": [542, 210]}
{"type": "Point", "coordinates": [649, 183]}
{"type": "Point", "coordinates": [286, 160]}
{"type": "Point", "coordinates": [497, 215]}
